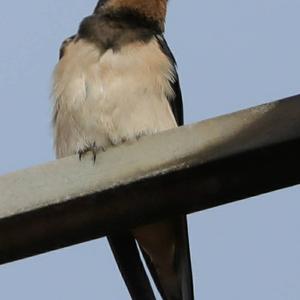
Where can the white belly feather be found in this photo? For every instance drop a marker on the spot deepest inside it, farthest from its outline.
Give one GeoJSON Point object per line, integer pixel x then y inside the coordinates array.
{"type": "Point", "coordinates": [110, 97]}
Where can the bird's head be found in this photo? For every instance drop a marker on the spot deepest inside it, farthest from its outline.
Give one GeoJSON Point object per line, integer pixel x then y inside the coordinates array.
{"type": "Point", "coordinates": [151, 9]}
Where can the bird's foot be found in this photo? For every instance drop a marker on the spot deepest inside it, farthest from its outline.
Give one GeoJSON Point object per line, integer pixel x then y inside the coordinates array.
{"type": "Point", "coordinates": [92, 148]}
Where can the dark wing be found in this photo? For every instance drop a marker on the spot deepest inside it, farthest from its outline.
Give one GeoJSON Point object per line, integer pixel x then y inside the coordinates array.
{"type": "Point", "coordinates": [176, 102]}
{"type": "Point", "coordinates": [64, 45]}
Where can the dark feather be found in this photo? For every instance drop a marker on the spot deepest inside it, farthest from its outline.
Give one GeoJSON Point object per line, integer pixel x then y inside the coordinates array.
{"type": "Point", "coordinates": [182, 263]}
{"type": "Point", "coordinates": [153, 273]}
{"type": "Point", "coordinates": [64, 45]}
{"type": "Point", "coordinates": [176, 102]}
{"type": "Point", "coordinates": [99, 5]}
{"type": "Point", "coordinates": [130, 265]}
{"type": "Point", "coordinates": [183, 258]}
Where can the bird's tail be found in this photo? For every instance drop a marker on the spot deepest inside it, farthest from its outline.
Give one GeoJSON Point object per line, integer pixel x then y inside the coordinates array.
{"type": "Point", "coordinates": [130, 265]}
{"type": "Point", "coordinates": [178, 284]}
{"type": "Point", "coordinates": [184, 260]}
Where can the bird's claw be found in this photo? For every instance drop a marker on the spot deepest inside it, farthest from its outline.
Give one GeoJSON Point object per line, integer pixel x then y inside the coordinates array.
{"type": "Point", "coordinates": [81, 152]}
{"type": "Point", "coordinates": [93, 148]}
{"type": "Point", "coordinates": [94, 151]}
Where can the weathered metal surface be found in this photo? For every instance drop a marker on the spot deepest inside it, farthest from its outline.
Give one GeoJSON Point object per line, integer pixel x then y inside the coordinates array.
{"type": "Point", "coordinates": [179, 171]}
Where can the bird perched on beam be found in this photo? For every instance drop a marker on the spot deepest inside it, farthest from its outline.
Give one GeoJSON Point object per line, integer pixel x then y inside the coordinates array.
{"type": "Point", "coordinates": [116, 81]}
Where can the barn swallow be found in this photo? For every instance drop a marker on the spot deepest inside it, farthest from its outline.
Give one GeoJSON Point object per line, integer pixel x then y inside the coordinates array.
{"type": "Point", "coordinates": [116, 80]}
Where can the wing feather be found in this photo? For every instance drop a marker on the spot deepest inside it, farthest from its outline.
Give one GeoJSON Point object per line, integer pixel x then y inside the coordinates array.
{"type": "Point", "coordinates": [176, 102]}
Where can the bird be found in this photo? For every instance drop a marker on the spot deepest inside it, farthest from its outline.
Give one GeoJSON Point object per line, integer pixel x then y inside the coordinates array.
{"type": "Point", "coordinates": [115, 81]}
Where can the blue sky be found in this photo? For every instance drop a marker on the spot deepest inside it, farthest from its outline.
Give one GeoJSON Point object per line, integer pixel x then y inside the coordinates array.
{"type": "Point", "coordinates": [231, 55]}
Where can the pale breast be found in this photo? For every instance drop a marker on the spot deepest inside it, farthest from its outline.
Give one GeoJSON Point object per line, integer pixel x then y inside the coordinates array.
{"type": "Point", "coordinates": [112, 96]}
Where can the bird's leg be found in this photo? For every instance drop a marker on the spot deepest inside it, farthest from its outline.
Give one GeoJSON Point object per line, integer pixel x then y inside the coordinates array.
{"type": "Point", "coordinates": [82, 152]}
{"type": "Point", "coordinates": [94, 151]}
{"type": "Point", "coordinates": [138, 136]}
{"type": "Point", "coordinates": [93, 148]}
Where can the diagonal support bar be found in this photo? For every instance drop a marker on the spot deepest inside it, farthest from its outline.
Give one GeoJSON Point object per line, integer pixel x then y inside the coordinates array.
{"type": "Point", "coordinates": [188, 169]}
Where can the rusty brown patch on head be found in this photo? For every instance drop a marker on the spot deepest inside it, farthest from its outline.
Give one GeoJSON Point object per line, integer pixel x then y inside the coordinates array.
{"type": "Point", "coordinates": [153, 9]}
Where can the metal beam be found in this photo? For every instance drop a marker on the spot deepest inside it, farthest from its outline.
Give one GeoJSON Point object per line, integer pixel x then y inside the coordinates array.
{"type": "Point", "coordinates": [188, 169]}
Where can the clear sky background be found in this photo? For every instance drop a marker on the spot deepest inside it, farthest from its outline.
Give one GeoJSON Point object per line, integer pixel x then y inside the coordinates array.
{"type": "Point", "coordinates": [231, 55]}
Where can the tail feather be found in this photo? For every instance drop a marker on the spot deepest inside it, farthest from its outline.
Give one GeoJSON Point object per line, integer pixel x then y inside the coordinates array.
{"type": "Point", "coordinates": [128, 259]}
{"type": "Point", "coordinates": [184, 260]}
{"type": "Point", "coordinates": [170, 270]}
{"type": "Point", "coordinates": [179, 286]}
{"type": "Point", "coordinates": [153, 273]}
